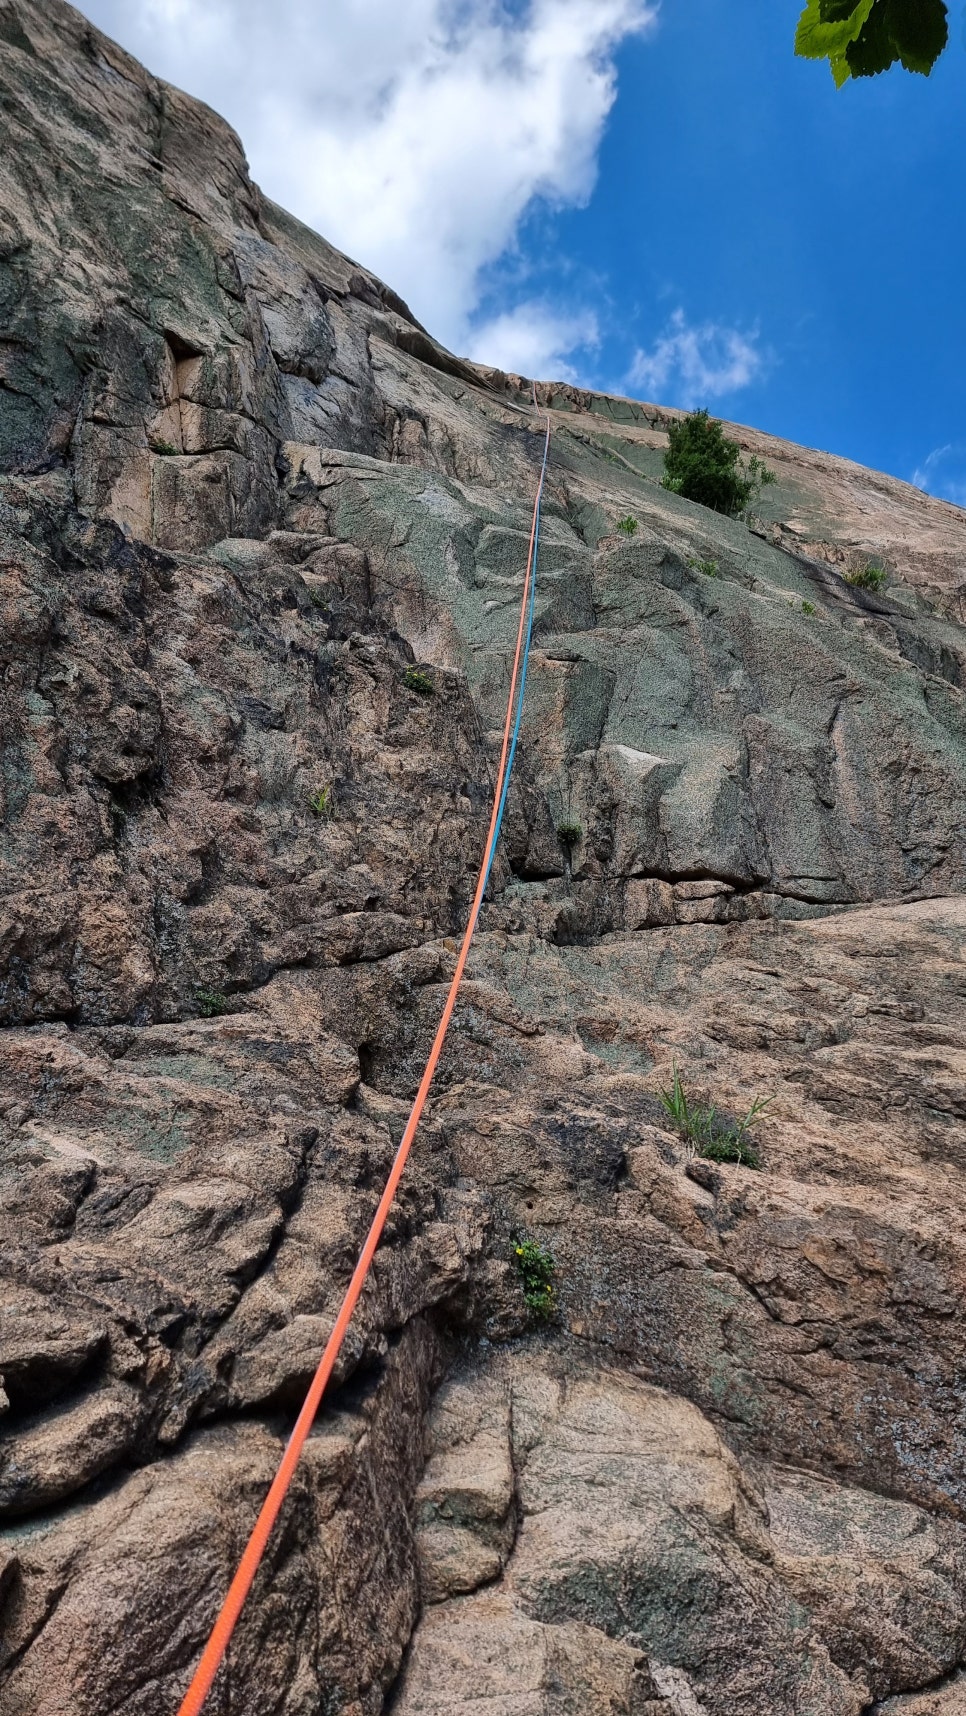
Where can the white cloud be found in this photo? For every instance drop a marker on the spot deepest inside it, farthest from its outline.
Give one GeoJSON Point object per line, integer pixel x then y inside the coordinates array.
{"type": "Point", "coordinates": [414, 134]}
{"type": "Point", "coordinates": [688, 365]}
{"type": "Point", "coordinates": [943, 473]}
{"type": "Point", "coordinates": [535, 339]}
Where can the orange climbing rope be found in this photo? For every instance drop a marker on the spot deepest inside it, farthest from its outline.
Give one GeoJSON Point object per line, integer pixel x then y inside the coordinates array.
{"type": "Point", "coordinates": [241, 1584]}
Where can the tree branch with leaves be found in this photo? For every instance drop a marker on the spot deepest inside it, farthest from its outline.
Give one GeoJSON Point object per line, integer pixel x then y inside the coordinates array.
{"type": "Point", "coordinates": [860, 40]}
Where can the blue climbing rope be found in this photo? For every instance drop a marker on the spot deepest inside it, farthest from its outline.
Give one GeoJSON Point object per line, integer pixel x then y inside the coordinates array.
{"type": "Point", "coordinates": [525, 663]}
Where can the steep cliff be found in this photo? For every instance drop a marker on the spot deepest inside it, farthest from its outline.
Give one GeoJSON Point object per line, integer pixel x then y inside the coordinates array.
{"type": "Point", "coordinates": [243, 495]}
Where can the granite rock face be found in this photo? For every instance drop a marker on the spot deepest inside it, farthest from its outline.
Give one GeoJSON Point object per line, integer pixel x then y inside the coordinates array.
{"type": "Point", "coordinates": [261, 544]}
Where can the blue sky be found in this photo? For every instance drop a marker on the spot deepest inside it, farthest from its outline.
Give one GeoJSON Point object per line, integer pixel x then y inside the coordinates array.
{"type": "Point", "coordinates": [737, 185]}
{"type": "Point", "coordinates": [652, 198]}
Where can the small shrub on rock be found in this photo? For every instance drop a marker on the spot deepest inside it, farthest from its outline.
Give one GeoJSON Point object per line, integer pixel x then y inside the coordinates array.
{"type": "Point", "coordinates": [701, 464]}
{"type": "Point", "coordinates": [871, 577]}
{"type": "Point", "coordinates": [211, 1003]}
{"type": "Point", "coordinates": [536, 1269]}
{"type": "Point", "coordinates": [628, 525]}
{"type": "Point", "coordinates": [569, 834]}
{"type": "Point", "coordinates": [414, 679]}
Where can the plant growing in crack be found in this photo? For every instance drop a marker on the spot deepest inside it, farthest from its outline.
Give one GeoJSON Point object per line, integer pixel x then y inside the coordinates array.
{"type": "Point", "coordinates": [570, 834]}
{"type": "Point", "coordinates": [321, 802]}
{"type": "Point", "coordinates": [870, 577]}
{"type": "Point", "coordinates": [711, 1134]}
{"type": "Point", "coordinates": [708, 567]}
{"type": "Point", "coordinates": [211, 1003]}
{"type": "Point", "coordinates": [627, 525]}
{"type": "Point", "coordinates": [537, 1269]}
{"type": "Point", "coordinates": [414, 679]}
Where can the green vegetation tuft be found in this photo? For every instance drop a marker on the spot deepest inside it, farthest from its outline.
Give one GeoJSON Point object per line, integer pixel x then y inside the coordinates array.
{"type": "Point", "coordinates": [569, 833]}
{"type": "Point", "coordinates": [701, 465]}
{"type": "Point", "coordinates": [414, 679]}
{"type": "Point", "coordinates": [628, 525]}
{"type": "Point", "coordinates": [536, 1269]}
{"type": "Point", "coordinates": [713, 1136]}
{"type": "Point", "coordinates": [164, 447]}
{"type": "Point", "coordinates": [808, 608]}
{"type": "Point", "coordinates": [871, 577]}
{"type": "Point", "coordinates": [210, 1003]}
{"type": "Point", "coordinates": [708, 567]}
{"type": "Point", "coordinates": [321, 802]}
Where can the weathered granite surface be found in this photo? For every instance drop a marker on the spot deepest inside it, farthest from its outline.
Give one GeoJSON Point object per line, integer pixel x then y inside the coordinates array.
{"type": "Point", "coordinates": [242, 493]}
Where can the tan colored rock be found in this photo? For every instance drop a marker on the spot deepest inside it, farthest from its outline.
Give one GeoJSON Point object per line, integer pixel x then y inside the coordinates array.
{"type": "Point", "coordinates": [884, 1580]}
{"type": "Point", "coordinates": [636, 1526]}
{"type": "Point", "coordinates": [482, 1650]}
{"type": "Point", "coordinates": [466, 1496]}
{"type": "Point", "coordinates": [123, 1593]}
{"type": "Point", "coordinates": [626, 1495]}
{"type": "Point", "coordinates": [43, 1345]}
{"type": "Point", "coordinates": [947, 1700]}
{"type": "Point", "coordinates": [648, 903]}
{"type": "Point", "coordinates": [66, 1449]}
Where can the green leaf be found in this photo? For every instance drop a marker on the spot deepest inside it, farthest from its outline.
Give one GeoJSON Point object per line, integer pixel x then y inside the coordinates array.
{"type": "Point", "coordinates": [920, 32]}
{"type": "Point", "coordinates": [841, 70]}
{"type": "Point", "coordinates": [915, 31]}
{"type": "Point", "coordinates": [865, 38]}
{"type": "Point", "coordinates": [873, 50]}
{"type": "Point", "coordinates": [839, 12]}
{"type": "Point", "coordinates": [820, 36]}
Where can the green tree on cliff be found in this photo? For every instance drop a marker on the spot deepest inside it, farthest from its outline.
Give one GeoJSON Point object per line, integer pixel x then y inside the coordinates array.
{"type": "Point", "coordinates": [862, 37]}
{"type": "Point", "coordinates": [701, 464]}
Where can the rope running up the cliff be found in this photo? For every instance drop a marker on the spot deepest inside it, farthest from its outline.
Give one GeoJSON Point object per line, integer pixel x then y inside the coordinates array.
{"type": "Point", "coordinates": [255, 1548]}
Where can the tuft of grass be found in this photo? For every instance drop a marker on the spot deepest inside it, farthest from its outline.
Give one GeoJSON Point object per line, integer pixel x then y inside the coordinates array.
{"type": "Point", "coordinates": [708, 567]}
{"type": "Point", "coordinates": [414, 679]}
{"type": "Point", "coordinates": [711, 1134]}
{"type": "Point", "coordinates": [321, 802]}
{"type": "Point", "coordinates": [730, 1146]}
{"type": "Point", "coordinates": [210, 1003]}
{"type": "Point", "coordinates": [569, 833]}
{"type": "Point", "coordinates": [536, 1269]}
{"type": "Point", "coordinates": [318, 600]}
{"type": "Point", "coordinates": [164, 447]}
{"type": "Point", "coordinates": [871, 577]}
{"type": "Point", "coordinates": [808, 608]}
{"type": "Point", "coordinates": [628, 525]}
